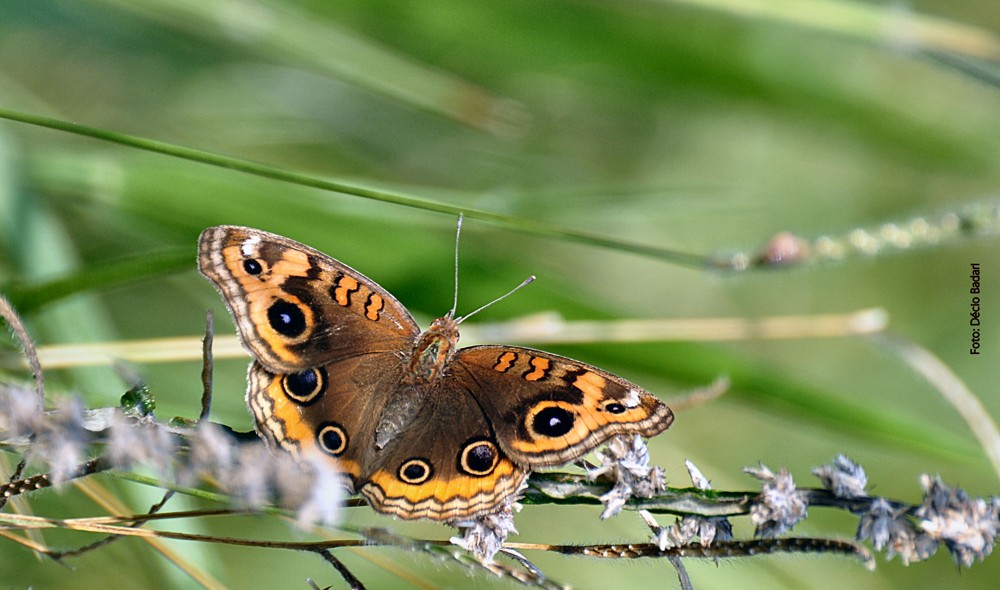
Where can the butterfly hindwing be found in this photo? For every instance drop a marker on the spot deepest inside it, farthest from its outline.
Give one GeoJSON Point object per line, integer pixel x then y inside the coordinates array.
{"type": "Point", "coordinates": [326, 410]}
{"type": "Point", "coordinates": [447, 465]}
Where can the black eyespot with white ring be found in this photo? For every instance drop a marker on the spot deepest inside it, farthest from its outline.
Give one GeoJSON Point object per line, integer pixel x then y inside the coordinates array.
{"type": "Point", "coordinates": [332, 438]}
{"type": "Point", "coordinates": [306, 387]}
{"type": "Point", "coordinates": [415, 471]}
{"type": "Point", "coordinates": [478, 458]}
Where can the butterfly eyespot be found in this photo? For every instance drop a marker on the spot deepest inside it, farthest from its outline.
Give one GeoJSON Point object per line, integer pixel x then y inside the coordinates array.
{"type": "Point", "coordinates": [253, 267]}
{"type": "Point", "coordinates": [615, 408]}
{"type": "Point", "coordinates": [286, 318]}
{"type": "Point", "coordinates": [553, 421]}
{"type": "Point", "coordinates": [332, 438]}
{"type": "Point", "coordinates": [415, 471]}
{"type": "Point", "coordinates": [306, 387]}
{"type": "Point", "coordinates": [478, 458]}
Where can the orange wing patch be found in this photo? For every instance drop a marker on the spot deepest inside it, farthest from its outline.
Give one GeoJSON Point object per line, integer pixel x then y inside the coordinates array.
{"type": "Point", "coordinates": [374, 306]}
{"type": "Point", "coordinates": [345, 285]}
{"type": "Point", "coordinates": [540, 368]}
{"type": "Point", "coordinates": [505, 362]}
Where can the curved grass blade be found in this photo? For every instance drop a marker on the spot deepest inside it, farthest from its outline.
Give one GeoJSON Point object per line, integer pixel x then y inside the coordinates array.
{"type": "Point", "coordinates": [519, 224]}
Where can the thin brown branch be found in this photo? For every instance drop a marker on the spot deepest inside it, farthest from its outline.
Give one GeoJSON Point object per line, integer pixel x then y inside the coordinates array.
{"type": "Point", "coordinates": [23, 522]}
{"type": "Point", "coordinates": [27, 345]}
{"type": "Point", "coordinates": [29, 543]}
{"type": "Point", "coordinates": [13, 320]}
{"type": "Point", "coordinates": [129, 519]}
{"type": "Point", "coordinates": [718, 550]}
{"type": "Point", "coordinates": [207, 368]}
{"type": "Point", "coordinates": [352, 581]}
{"type": "Point", "coordinates": [101, 498]}
{"type": "Point", "coordinates": [44, 480]}
{"type": "Point", "coordinates": [682, 575]}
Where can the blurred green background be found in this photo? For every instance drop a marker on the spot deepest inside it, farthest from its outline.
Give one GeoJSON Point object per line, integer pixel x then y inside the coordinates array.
{"type": "Point", "coordinates": [703, 127]}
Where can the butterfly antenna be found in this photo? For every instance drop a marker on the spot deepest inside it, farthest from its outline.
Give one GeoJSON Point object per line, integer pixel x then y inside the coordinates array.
{"type": "Point", "coordinates": [458, 234]}
{"type": "Point", "coordinates": [524, 283]}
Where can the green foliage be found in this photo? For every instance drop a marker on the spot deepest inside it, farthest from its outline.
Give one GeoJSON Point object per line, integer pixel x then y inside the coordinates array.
{"type": "Point", "coordinates": [611, 149]}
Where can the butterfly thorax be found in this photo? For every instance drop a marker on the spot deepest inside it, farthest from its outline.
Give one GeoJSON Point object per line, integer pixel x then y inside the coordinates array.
{"type": "Point", "coordinates": [433, 350]}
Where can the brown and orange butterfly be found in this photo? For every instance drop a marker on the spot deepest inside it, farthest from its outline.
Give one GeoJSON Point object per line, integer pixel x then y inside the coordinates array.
{"type": "Point", "coordinates": [422, 428]}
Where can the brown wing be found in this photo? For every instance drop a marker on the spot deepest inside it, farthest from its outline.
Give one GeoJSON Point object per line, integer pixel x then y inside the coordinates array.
{"type": "Point", "coordinates": [295, 307]}
{"type": "Point", "coordinates": [446, 465]}
{"type": "Point", "coordinates": [548, 409]}
{"type": "Point", "coordinates": [331, 409]}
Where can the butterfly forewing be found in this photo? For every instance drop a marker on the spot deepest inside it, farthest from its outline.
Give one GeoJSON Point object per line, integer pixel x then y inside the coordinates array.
{"type": "Point", "coordinates": [296, 307]}
{"type": "Point", "coordinates": [548, 409]}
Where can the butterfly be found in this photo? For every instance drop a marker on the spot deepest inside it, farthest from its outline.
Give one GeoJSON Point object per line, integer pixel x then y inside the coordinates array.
{"type": "Point", "coordinates": [420, 427]}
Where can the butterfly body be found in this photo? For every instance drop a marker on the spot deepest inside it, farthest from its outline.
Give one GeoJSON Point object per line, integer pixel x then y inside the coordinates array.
{"type": "Point", "coordinates": [422, 428]}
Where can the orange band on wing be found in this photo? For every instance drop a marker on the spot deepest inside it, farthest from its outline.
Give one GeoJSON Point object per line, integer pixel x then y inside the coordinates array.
{"type": "Point", "coordinates": [281, 421]}
{"type": "Point", "coordinates": [456, 498]}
